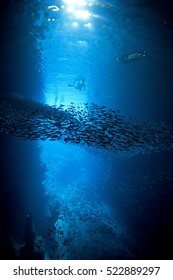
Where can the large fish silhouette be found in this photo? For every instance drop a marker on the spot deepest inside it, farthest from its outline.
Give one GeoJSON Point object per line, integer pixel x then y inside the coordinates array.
{"type": "Point", "coordinates": [131, 57]}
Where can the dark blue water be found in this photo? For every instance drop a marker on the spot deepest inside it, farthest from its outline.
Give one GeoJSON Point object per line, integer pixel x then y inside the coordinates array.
{"type": "Point", "coordinates": [87, 204]}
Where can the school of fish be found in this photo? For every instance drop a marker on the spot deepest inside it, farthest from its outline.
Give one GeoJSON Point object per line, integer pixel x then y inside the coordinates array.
{"type": "Point", "coordinates": [89, 125]}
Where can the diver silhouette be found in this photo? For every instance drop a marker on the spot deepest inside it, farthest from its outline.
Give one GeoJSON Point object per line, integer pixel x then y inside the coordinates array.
{"type": "Point", "coordinates": [79, 83]}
